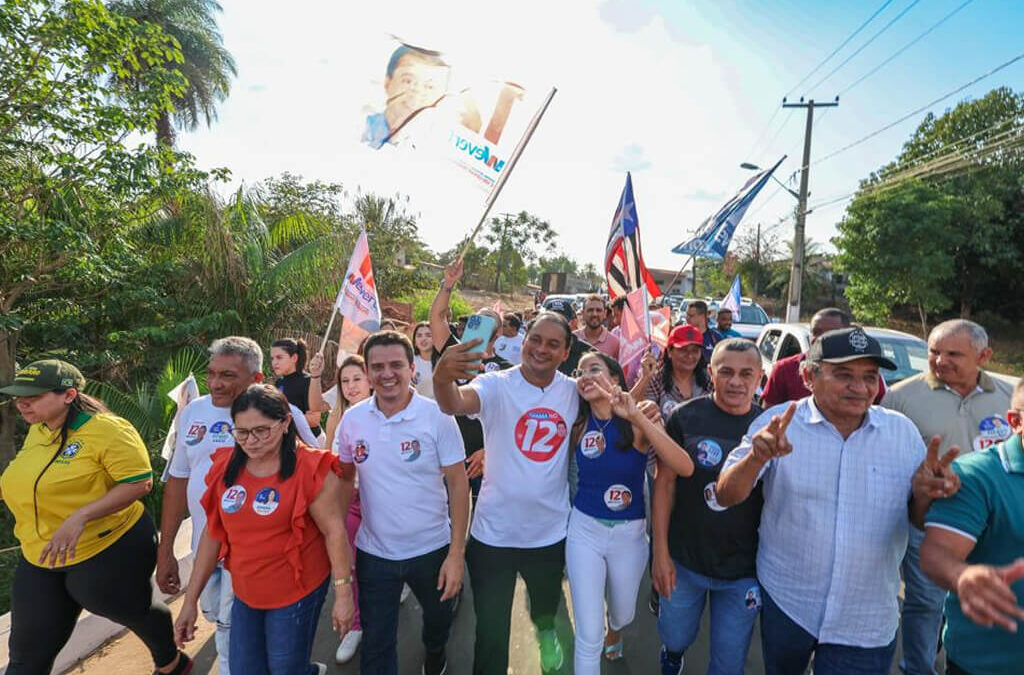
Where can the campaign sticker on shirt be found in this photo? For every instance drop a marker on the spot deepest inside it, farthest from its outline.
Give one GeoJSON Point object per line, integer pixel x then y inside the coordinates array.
{"type": "Point", "coordinates": [667, 407]}
{"type": "Point", "coordinates": [991, 430]}
{"type": "Point", "coordinates": [491, 366]}
{"type": "Point", "coordinates": [539, 434]}
{"type": "Point", "coordinates": [415, 378]}
{"type": "Point", "coordinates": [752, 598]}
{"type": "Point", "coordinates": [195, 434]}
{"type": "Point", "coordinates": [266, 501]}
{"type": "Point", "coordinates": [360, 453]}
{"type": "Point", "coordinates": [410, 450]}
{"type": "Point", "coordinates": [592, 444]}
{"type": "Point", "coordinates": [233, 499]}
{"type": "Point", "coordinates": [220, 432]}
{"type": "Point", "coordinates": [711, 498]}
{"type": "Point", "coordinates": [709, 452]}
{"type": "Point", "coordinates": [617, 497]}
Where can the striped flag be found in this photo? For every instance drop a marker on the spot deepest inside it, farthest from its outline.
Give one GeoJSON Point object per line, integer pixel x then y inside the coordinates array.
{"type": "Point", "coordinates": [357, 300]}
{"type": "Point", "coordinates": [623, 262]}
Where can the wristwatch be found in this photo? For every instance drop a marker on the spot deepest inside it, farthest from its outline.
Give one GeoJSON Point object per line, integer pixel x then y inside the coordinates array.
{"type": "Point", "coordinates": [344, 581]}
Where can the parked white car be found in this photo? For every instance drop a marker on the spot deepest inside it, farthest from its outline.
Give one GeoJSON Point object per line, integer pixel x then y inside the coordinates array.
{"type": "Point", "coordinates": [781, 340]}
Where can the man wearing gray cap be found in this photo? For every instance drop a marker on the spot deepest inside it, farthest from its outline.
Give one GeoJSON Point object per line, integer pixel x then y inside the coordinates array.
{"type": "Point", "coordinates": [835, 521]}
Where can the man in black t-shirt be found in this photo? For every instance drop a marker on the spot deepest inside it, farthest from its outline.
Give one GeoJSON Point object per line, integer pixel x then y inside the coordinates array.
{"type": "Point", "coordinates": [471, 429]}
{"type": "Point", "coordinates": [701, 548]}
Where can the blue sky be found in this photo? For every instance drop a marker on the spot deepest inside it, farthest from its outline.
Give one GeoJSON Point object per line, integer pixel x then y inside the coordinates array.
{"type": "Point", "coordinates": [675, 91]}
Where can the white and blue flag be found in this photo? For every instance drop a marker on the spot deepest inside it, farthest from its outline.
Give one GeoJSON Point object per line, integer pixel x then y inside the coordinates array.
{"type": "Point", "coordinates": [732, 298]}
{"type": "Point", "coordinates": [715, 234]}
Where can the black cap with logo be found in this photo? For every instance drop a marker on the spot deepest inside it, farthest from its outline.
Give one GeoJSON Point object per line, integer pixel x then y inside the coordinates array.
{"type": "Point", "coordinates": [848, 344]}
{"type": "Point", "coordinates": [40, 377]}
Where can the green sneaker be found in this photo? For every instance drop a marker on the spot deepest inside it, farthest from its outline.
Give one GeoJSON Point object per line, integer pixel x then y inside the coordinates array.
{"type": "Point", "coordinates": [551, 655]}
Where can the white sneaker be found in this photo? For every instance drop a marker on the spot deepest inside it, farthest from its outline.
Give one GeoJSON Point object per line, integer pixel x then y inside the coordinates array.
{"type": "Point", "coordinates": [321, 668]}
{"type": "Point", "coordinates": [349, 645]}
{"type": "Point", "coordinates": [405, 593]}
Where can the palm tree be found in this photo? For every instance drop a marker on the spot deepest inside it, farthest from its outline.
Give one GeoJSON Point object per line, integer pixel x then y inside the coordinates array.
{"type": "Point", "coordinates": [207, 67]}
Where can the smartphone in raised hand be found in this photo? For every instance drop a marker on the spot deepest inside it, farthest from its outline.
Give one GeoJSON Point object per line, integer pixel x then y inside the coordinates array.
{"type": "Point", "coordinates": [479, 326]}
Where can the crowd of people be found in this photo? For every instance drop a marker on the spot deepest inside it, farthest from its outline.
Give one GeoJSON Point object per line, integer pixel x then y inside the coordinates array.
{"type": "Point", "coordinates": [524, 451]}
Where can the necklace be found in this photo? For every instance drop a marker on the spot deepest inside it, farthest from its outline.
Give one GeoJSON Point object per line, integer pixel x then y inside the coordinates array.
{"type": "Point", "coordinates": [601, 427]}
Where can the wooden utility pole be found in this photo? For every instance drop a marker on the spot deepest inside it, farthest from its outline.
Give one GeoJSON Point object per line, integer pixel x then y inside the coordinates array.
{"type": "Point", "coordinates": [796, 272]}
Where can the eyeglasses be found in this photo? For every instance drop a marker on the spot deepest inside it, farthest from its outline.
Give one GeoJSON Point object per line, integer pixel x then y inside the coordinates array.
{"type": "Point", "coordinates": [593, 371]}
{"type": "Point", "coordinates": [258, 433]}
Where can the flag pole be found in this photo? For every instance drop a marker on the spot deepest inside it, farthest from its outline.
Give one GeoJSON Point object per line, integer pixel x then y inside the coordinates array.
{"type": "Point", "coordinates": [692, 258]}
{"type": "Point", "coordinates": [512, 160]}
{"type": "Point", "coordinates": [327, 333]}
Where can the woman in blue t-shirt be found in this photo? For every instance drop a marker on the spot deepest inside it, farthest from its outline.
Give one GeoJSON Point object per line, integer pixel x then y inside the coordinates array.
{"type": "Point", "coordinates": [607, 541]}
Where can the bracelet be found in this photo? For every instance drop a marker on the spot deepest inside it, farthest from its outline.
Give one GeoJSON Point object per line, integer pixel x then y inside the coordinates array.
{"type": "Point", "coordinates": [344, 581]}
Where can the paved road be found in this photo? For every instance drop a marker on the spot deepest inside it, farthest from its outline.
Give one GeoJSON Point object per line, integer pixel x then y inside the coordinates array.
{"type": "Point", "coordinates": [126, 656]}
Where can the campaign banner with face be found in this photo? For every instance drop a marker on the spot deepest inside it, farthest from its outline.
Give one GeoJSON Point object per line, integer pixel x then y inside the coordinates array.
{"type": "Point", "coordinates": [426, 103]}
{"type": "Point", "coordinates": [357, 300]}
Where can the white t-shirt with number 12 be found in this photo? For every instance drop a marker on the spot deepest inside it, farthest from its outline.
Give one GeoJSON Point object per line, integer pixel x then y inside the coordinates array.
{"type": "Point", "coordinates": [524, 499]}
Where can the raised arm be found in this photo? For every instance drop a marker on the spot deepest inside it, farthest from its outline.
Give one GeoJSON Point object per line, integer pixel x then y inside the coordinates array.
{"type": "Point", "coordinates": [737, 480]}
{"type": "Point", "coordinates": [442, 301]}
{"type": "Point", "coordinates": [934, 479]}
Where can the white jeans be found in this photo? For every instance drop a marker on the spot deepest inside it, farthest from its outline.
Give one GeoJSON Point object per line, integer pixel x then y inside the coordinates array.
{"type": "Point", "coordinates": [215, 602]}
{"type": "Point", "coordinates": [600, 557]}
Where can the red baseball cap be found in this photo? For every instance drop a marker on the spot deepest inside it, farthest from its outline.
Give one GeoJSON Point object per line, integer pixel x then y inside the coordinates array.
{"type": "Point", "coordinates": [685, 335]}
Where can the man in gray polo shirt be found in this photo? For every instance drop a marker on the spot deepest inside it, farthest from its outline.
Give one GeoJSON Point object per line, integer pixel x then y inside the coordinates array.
{"type": "Point", "coordinates": [958, 401]}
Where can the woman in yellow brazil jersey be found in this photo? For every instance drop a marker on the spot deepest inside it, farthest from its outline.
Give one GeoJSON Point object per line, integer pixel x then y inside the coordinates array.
{"type": "Point", "coordinates": [86, 540]}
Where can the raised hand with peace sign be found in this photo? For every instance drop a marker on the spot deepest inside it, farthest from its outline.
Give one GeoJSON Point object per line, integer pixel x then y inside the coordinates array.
{"type": "Point", "coordinates": [934, 479]}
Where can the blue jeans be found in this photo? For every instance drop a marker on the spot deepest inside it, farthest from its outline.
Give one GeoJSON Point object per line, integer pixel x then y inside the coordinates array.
{"type": "Point", "coordinates": [275, 641]}
{"type": "Point", "coordinates": [787, 649]}
{"type": "Point", "coordinates": [922, 612]}
{"type": "Point", "coordinates": [734, 607]}
{"type": "Point", "coordinates": [380, 597]}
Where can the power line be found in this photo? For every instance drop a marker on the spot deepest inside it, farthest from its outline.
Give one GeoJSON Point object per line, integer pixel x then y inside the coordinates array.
{"type": "Point", "coordinates": [844, 43]}
{"type": "Point", "coordinates": [905, 47]}
{"type": "Point", "coordinates": [863, 46]}
{"type": "Point", "coordinates": [778, 131]}
{"type": "Point", "coordinates": [764, 132]}
{"type": "Point", "coordinates": [942, 98]}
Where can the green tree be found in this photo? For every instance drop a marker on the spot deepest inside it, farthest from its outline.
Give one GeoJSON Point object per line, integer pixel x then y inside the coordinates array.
{"type": "Point", "coordinates": [513, 239]}
{"type": "Point", "coordinates": [899, 247]}
{"type": "Point", "coordinates": [206, 65]}
{"type": "Point", "coordinates": [973, 155]}
{"type": "Point", "coordinates": [71, 192]}
{"type": "Point", "coordinates": [395, 246]}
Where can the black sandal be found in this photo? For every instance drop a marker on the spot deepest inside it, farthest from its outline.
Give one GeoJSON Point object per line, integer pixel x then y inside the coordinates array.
{"type": "Point", "coordinates": [184, 666]}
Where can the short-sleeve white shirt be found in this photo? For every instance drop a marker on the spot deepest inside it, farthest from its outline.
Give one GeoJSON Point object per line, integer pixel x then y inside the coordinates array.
{"type": "Point", "coordinates": [399, 462]}
{"type": "Point", "coordinates": [524, 498]}
{"type": "Point", "coordinates": [835, 522]}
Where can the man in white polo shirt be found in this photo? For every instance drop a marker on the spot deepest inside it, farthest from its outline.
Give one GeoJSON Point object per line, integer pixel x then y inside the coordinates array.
{"type": "Point", "coordinates": [521, 516]}
{"type": "Point", "coordinates": [414, 530]}
{"type": "Point", "coordinates": [842, 480]}
{"type": "Point", "coordinates": [204, 426]}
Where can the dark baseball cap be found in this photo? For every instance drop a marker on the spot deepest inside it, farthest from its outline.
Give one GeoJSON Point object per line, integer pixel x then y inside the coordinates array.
{"type": "Point", "coordinates": [40, 377]}
{"type": "Point", "coordinates": [563, 307]}
{"type": "Point", "coordinates": [848, 344]}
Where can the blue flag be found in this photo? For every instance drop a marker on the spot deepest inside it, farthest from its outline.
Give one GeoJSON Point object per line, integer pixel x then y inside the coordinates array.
{"type": "Point", "coordinates": [715, 234]}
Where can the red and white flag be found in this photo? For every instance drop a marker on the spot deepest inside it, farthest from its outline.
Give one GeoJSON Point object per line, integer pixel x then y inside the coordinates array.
{"type": "Point", "coordinates": [357, 300]}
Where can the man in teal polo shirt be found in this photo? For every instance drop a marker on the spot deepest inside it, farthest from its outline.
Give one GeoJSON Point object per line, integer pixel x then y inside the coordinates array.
{"type": "Point", "coordinates": [973, 547]}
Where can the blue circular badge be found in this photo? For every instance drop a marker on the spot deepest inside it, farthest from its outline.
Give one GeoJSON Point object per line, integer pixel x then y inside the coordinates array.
{"type": "Point", "coordinates": [233, 499]}
{"type": "Point", "coordinates": [991, 430]}
{"type": "Point", "coordinates": [410, 450]}
{"type": "Point", "coordinates": [266, 501]}
{"type": "Point", "coordinates": [709, 452]}
{"type": "Point", "coordinates": [220, 432]}
{"type": "Point", "coordinates": [360, 452]}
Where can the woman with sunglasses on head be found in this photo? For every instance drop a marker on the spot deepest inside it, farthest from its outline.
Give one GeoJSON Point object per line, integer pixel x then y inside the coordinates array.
{"type": "Point", "coordinates": [272, 515]}
{"type": "Point", "coordinates": [86, 540]}
{"type": "Point", "coordinates": [352, 386]}
{"type": "Point", "coordinates": [288, 358]}
{"type": "Point", "coordinates": [607, 543]}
